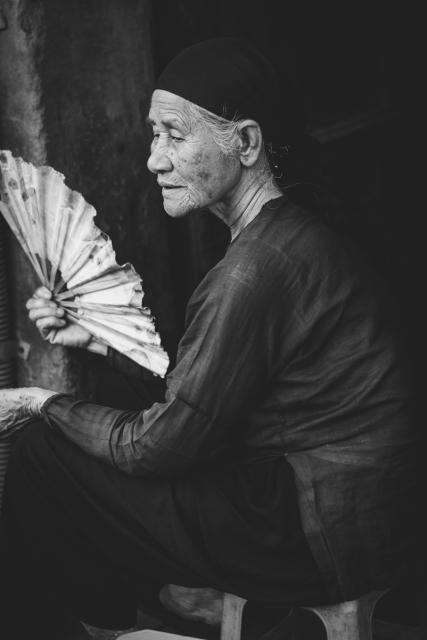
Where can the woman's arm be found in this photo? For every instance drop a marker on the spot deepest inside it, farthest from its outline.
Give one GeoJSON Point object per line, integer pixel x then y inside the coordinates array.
{"type": "Point", "coordinates": [18, 406]}
{"type": "Point", "coordinates": [224, 361]}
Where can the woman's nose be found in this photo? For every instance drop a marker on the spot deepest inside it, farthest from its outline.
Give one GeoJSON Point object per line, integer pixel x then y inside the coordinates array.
{"type": "Point", "coordinates": [159, 160]}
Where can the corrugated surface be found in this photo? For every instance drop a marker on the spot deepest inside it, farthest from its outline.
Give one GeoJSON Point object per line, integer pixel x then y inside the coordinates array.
{"type": "Point", "coordinates": [6, 365]}
{"type": "Point", "coordinates": [5, 446]}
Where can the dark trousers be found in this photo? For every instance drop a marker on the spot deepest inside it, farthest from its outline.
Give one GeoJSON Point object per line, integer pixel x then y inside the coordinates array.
{"type": "Point", "coordinates": [81, 539]}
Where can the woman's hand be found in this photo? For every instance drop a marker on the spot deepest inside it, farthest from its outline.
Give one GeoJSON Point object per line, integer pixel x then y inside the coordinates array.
{"type": "Point", "coordinates": [51, 323]}
{"type": "Point", "coordinates": [18, 406]}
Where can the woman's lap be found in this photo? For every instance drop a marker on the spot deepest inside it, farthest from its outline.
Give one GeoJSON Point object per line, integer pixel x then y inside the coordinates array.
{"type": "Point", "coordinates": [107, 540]}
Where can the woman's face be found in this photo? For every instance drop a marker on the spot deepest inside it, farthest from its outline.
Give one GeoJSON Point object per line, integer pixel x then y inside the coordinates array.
{"type": "Point", "coordinates": [191, 168]}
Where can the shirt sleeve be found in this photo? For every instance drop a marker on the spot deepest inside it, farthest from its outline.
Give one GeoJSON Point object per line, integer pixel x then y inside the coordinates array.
{"type": "Point", "coordinates": [225, 358]}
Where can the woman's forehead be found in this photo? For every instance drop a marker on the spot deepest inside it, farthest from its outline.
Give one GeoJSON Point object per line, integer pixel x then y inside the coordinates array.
{"type": "Point", "coordinates": [168, 108]}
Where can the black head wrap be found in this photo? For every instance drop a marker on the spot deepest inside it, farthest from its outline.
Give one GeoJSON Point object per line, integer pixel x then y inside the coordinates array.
{"type": "Point", "coordinates": [230, 78]}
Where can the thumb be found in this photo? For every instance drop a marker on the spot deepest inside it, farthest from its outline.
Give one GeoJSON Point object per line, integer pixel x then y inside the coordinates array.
{"type": "Point", "coordinates": [43, 292]}
{"type": "Point", "coordinates": [50, 335]}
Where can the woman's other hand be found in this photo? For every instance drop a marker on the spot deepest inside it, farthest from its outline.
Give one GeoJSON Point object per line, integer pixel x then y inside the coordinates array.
{"type": "Point", "coordinates": [52, 324]}
{"type": "Point", "coordinates": [18, 406]}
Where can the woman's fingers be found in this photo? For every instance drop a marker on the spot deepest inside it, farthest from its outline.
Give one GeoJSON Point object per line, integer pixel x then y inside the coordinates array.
{"type": "Point", "coordinates": [42, 297]}
{"type": "Point", "coordinates": [45, 310]}
{"type": "Point", "coordinates": [35, 302]}
{"type": "Point", "coordinates": [44, 325]}
{"type": "Point", "coordinates": [52, 322]}
{"type": "Point", "coordinates": [43, 292]}
{"type": "Point", "coordinates": [47, 316]}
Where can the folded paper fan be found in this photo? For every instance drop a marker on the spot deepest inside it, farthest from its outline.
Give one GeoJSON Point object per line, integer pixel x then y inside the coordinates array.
{"type": "Point", "coordinates": [76, 261]}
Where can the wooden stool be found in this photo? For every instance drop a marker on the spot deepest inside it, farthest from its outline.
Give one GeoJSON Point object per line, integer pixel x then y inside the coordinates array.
{"type": "Point", "coordinates": [350, 620]}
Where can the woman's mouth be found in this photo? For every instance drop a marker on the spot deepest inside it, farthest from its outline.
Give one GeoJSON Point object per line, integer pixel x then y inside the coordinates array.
{"type": "Point", "coordinates": [167, 189]}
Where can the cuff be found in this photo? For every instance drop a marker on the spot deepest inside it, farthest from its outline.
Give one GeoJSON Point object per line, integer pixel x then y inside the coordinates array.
{"type": "Point", "coordinates": [44, 411]}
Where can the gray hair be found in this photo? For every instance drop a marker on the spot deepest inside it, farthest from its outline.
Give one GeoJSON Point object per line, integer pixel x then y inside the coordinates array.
{"type": "Point", "coordinates": [225, 134]}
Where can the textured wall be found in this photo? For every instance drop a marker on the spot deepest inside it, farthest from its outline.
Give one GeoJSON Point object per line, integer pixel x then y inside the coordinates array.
{"type": "Point", "coordinates": [75, 82]}
{"type": "Point", "coordinates": [23, 131]}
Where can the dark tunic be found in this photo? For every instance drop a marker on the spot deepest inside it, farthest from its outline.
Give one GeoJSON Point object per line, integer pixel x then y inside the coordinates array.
{"type": "Point", "coordinates": [289, 371]}
{"type": "Point", "coordinates": [290, 350]}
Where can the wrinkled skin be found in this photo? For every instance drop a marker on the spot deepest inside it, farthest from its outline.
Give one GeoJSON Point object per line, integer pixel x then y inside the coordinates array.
{"type": "Point", "coordinates": [191, 168]}
{"type": "Point", "coordinates": [18, 406]}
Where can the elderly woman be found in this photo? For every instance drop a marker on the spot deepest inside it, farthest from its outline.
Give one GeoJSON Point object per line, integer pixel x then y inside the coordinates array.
{"type": "Point", "coordinates": [279, 466]}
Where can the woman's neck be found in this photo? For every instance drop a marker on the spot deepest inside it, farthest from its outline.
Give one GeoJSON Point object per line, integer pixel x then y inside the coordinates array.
{"type": "Point", "coordinates": [245, 203]}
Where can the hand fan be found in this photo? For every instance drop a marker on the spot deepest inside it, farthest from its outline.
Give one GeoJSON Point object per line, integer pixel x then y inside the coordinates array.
{"type": "Point", "coordinates": [76, 261]}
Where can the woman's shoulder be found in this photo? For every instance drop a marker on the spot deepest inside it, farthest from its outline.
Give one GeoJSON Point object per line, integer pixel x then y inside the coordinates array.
{"type": "Point", "coordinates": [290, 246]}
{"type": "Point", "coordinates": [288, 231]}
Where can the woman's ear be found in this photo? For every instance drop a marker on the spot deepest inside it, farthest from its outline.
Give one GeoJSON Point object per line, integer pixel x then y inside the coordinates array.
{"type": "Point", "coordinates": [251, 142]}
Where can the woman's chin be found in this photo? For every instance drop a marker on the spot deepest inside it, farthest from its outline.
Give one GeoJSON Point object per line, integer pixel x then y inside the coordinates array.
{"type": "Point", "coordinates": [176, 210]}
